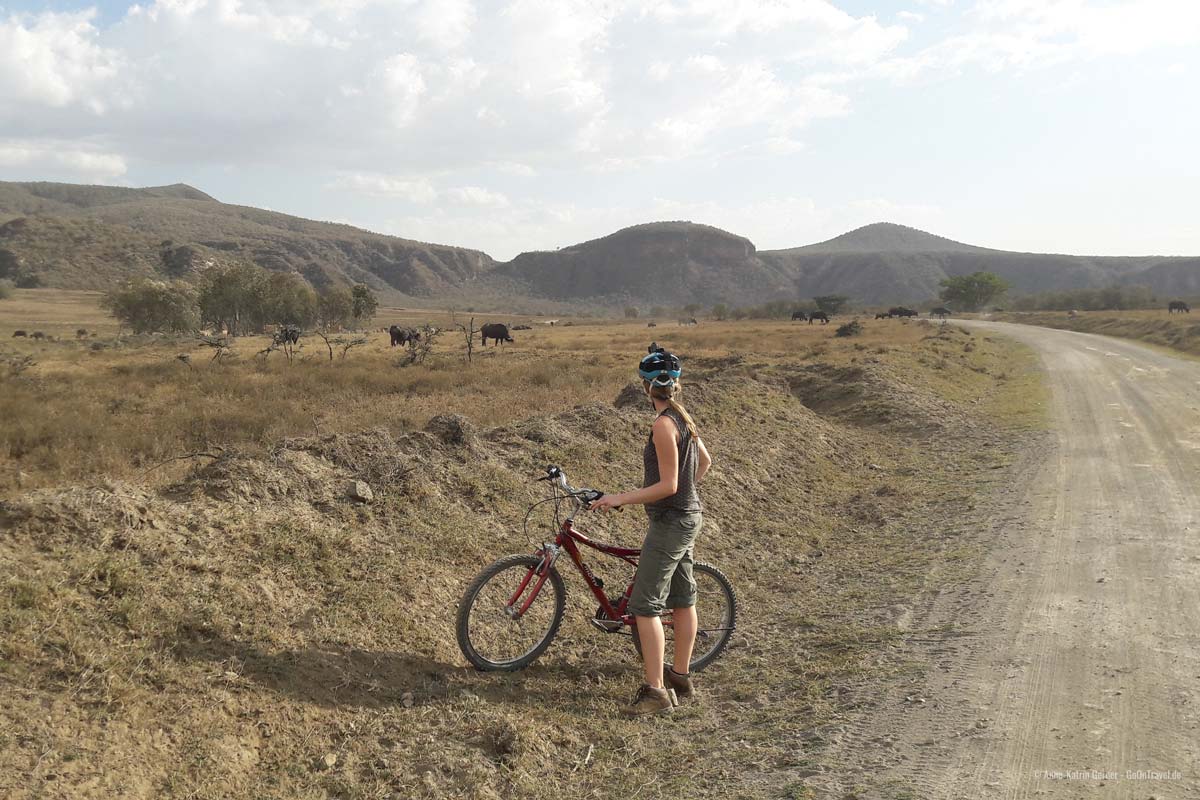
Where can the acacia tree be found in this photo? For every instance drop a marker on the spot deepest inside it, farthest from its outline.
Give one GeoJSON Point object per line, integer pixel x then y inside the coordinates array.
{"type": "Point", "coordinates": [720, 312]}
{"type": "Point", "coordinates": [363, 303]}
{"type": "Point", "coordinates": [972, 292]}
{"type": "Point", "coordinates": [289, 300]}
{"type": "Point", "coordinates": [233, 297]}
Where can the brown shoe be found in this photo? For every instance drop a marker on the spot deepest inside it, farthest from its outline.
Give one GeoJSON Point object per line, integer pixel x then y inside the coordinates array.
{"type": "Point", "coordinates": [682, 684]}
{"type": "Point", "coordinates": [649, 700]}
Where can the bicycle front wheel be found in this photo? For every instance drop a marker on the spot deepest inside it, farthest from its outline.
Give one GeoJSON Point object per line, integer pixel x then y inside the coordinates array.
{"type": "Point", "coordinates": [493, 634]}
{"type": "Point", "coordinates": [716, 612]}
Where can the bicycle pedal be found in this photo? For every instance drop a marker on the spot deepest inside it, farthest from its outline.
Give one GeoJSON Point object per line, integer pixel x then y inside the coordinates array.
{"type": "Point", "coordinates": [607, 625]}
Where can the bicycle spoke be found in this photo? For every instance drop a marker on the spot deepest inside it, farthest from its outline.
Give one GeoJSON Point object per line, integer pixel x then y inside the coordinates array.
{"type": "Point", "coordinates": [496, 631]}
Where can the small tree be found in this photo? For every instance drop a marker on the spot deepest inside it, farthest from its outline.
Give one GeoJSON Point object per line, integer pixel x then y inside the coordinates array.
{"type": "Point", "coordinates": [720, 312]}
{"type": "Point", "coordinates": [831, 303]}
{"type": "Point", "coordinates": [150, 306]}
{"type": "Point", "coordinates": [418, 349]}
{"type": "Point", "coordinates": [631, 312]}
{"type": "Point", "coordinates": [6, 289]}
{"type": "Point", "coordinates": [469, 330]}
{"type": "Point", "coordinates": [335, 309]}
{"type": "Point", "coordinates": [692, 309]}
{"type": "Point", "coordinates": [289, 300]}
{"type": "Point", "coordinates": [363, 304]}
{"type": "Point", "coordinates": [972, 292]}
{"type": "Point", "coordinates": [233, 298]}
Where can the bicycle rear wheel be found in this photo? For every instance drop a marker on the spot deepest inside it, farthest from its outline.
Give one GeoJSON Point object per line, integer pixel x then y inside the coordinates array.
{"type": "Point", "coordinates": [491, 637]}
{"type": "Point", "coordinates": [716, 611]}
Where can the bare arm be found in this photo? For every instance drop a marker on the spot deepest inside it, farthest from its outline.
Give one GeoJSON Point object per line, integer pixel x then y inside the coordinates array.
{"type": "Point", "coordinates": [664, 433]}
{"type": "Point", "coordinates": [705, 460]}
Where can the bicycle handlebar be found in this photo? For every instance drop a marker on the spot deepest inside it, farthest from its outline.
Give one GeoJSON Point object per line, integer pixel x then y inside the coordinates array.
{"type": "Point", "coordinates": [583, 497]}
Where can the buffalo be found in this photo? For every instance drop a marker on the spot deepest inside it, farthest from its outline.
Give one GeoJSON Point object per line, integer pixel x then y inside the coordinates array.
{"type": "Point", "coordinates": [799, 316]}
{"type": "Point", "coordinates": [20, 334]}
{"type": "Point", "coordinates": [901, 311]}
{"type": "Point", "coordinates": [883, 315]}
{"type": "Point", "coordinates": [941, 312]}
{"type": "Point", "coordinates": [651, 324]}
{"type": "Point", "coordinates": [1178, 305]}
{"type": "Point", "coordinates": [402, 336]}
{"type": "Point", "coordinates": [39, 335]}
{"type": "Point", "coordinates": [81, 333]}
{"type": "Point", "coordinates": [522, 327]}
{"type": "Point", "coordinates": [496, 331]}
{"type": "Point", "coordinates": [818, 315]}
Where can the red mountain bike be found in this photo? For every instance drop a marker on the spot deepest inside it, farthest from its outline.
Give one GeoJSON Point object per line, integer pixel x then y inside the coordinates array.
{"type": "Point", "coordinates": [511, 612]}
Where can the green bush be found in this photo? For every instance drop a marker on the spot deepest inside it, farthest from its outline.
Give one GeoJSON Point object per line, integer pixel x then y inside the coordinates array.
{"type": "Point", "coordinates": [150, 306]}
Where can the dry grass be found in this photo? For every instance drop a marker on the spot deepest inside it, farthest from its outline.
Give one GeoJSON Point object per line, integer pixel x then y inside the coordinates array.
{"type": "Point", "coordinates": [220, 636]}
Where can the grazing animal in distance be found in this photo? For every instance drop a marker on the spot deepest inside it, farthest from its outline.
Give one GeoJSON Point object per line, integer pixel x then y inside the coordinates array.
{"type": "Point", "coordinates": [1178, 305]}
{"type": "Point", "coordinates": [821, 315]}
{"type": "Point", "coordinates": [522, 327]}
{"type": "Point", "coordinates": [81, 333]}
{"type": "Point", "coordinates": [1072, 313]}
{"type": "Point", "coordinates": [402, 336]}
{"type": "Point", "coordinates": [20, 334]}
{"type": "Point", "coordinates": [39, 335]}
{"type": "Point", "coordinates": [799, 316]}
{"type": "Point", "coordinates": [495, 330]}
{"type": "Point", "coordinates": [289, 334]}
{"type": "Point", "coordinates": [941, 312]}
{"type": "Point", "coordinates": [688, 321]}
{"type": "Point", "coordinates": [901, 311]}
{"type": "Point", "coordinates": [883, 315]}
{"type": "Point", "coordinates": [651, 324]}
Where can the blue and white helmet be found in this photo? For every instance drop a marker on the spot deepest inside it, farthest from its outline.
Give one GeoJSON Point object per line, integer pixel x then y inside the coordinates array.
{"type": "Point", "coordinates": [660, 368]}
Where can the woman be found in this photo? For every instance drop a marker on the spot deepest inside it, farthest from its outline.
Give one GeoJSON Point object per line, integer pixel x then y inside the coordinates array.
{"type": "Point", "coordinates": [675, 461]}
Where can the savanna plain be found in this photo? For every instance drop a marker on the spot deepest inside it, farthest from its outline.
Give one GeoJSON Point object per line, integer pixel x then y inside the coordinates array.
{"type": "Point", "coordinates": [193, 605]}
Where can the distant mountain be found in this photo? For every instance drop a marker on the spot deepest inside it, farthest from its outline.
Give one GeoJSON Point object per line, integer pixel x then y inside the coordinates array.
{"type": "Point", "coordinates": [884, 263]}
{"type": "Point", "coordinates": [661, 263]}
{"type": "Point", "coordinates": [88, 237]}
{"type": "Point", "coordinates": [73, 231]}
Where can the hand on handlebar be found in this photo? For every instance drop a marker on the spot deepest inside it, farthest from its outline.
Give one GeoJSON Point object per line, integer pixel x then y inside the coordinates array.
{"type": "Point", "coordinates": [606, 501]}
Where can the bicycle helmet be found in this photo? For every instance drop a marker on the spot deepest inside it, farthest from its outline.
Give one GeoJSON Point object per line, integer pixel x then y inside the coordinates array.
{"type": "Point", "coordinates": [660, 368]}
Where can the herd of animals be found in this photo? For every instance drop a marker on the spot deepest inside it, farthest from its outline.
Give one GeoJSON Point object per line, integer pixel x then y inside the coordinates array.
{"type": "Point", "coordinates": [499, 332]}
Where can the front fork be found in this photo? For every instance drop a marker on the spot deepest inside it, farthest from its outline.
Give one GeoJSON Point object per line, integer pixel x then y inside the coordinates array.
{"type": "Point", "coordinates": [549, 554]}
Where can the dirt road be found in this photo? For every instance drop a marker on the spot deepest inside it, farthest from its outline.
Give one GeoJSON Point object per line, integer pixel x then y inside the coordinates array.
{"type": "Point", "coordinates": [1072, 667]}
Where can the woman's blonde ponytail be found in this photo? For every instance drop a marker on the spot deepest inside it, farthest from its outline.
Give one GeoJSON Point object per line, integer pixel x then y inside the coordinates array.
{"type": "Point", "coordinates": [668, 393]}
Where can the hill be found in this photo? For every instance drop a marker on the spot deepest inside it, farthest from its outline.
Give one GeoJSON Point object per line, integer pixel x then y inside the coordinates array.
{"type": "Point", "coordinates": [886, 262]}
{"type": "Point", "coordinates": [661, 263]}
{"type": "Point", "coordinates": [77, 229]}
{"type": "Point", "coordinates": [87, 237]}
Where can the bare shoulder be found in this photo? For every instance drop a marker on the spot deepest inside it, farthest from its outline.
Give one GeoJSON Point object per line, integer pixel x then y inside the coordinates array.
{"type": "Point", "coordinates": [665, 426]}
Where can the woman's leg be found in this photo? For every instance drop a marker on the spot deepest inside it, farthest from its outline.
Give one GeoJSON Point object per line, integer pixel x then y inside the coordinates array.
{"type": "Point", "coordinates": [650, 633]}
{"type": "Point", "coordinates": [685, 639]}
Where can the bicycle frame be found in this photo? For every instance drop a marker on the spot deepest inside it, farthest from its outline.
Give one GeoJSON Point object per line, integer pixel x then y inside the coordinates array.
{"type": "Point", "coordinates": [568, 540]}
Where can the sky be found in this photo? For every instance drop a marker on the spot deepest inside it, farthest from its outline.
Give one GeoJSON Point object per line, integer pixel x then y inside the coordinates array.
{"type": "Point", "coordinates": [1067, 126]}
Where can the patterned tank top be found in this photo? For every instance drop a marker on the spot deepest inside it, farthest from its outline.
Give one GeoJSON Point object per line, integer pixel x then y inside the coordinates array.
{"type": "Point", "coordinates": [686, 498]}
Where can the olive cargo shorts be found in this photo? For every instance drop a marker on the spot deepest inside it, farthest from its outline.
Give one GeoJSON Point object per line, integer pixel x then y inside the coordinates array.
{"type": "Point", "coordinates": [664, 574]}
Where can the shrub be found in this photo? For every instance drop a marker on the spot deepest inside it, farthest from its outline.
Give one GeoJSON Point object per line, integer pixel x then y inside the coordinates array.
{"type": "Point", "coordinates": [852, 328]}
{"type": "Point", "coordinates": [6, 289]}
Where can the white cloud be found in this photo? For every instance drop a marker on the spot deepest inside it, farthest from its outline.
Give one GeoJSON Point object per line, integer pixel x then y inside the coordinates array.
{"type": "Point", "coordinates": [61, 159]}
{"type": "Point", "coordinates": [414, 191]}
{"type": "Point", "coordinates": [477, 196]}
{"type": "Point", "coordinates": [54, 60]}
